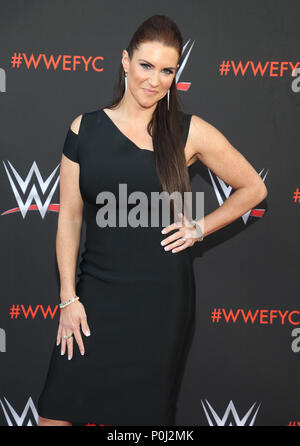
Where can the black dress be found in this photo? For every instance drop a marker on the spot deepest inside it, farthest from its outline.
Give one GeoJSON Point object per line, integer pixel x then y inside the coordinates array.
{"type": "Point", "coordinates": [139, 298]}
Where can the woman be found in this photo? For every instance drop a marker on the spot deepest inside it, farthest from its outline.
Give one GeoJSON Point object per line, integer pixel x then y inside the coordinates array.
{"type": "Point", "coordinates": [136, 286]}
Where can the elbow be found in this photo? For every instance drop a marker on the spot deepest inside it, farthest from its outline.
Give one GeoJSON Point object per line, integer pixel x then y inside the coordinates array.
{"type": "Point", "coordinates": [67, 216]}
{"type": "Point", "coordinates": [264, 191]}
{"type": "Point", "coordinates": [261, 192]}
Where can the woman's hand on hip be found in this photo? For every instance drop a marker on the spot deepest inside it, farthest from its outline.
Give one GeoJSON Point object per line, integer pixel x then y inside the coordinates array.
{"type": "Point", "coordinates": [186, 231]}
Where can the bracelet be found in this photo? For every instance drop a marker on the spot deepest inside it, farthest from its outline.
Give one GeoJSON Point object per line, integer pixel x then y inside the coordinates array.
{"type": "Point", "coordinates": [68, 302]}
{"type": "Point", "coordinates": [199, 231]}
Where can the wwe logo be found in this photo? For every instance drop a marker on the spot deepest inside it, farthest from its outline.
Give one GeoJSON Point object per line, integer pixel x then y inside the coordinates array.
{"type": "Point", "coordinates": [33, 195]}
{"type": "Point", "coordinates": [231, 410]}
{"type": "Point", "coordinates": [13, 419]}
{"type": "Point", "coordinates": [227, 191]}
{"type": "Point", "coordinates": [183, 86]}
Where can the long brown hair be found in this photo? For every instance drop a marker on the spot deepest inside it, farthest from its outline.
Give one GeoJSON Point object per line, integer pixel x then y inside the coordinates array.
{"type": "Point", "coordinates": [165, 127]}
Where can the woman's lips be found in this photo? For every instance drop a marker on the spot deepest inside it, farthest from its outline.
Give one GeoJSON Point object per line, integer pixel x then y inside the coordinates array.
{"type": "Point", "coordinates": [149, 91]}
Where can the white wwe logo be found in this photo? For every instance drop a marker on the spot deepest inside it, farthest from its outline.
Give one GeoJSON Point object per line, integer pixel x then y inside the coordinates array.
{"type": "Point", "coordinates": [184, 61]}
{"type": "Point", "coordinates": [230, 410]}
{"type": "Point", "coordinates": [227, 191]}
{"type": "Point", "coordinates": [33, 195]}
{"type": "Point", "coordinates": [13, 418]}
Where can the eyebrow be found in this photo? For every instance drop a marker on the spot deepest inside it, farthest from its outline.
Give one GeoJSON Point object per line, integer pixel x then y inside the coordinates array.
{"type": "Point", "coordinates": [166, 68]}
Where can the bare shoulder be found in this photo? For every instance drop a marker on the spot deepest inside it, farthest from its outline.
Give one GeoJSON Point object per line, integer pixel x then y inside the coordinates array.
{"type": "Point", "coordinates": [198, 123]}
{"type": "Point", "coordinates": [204, 136]}
{"type": "Point", "coordinates": [201, 128]}
{"type": "Point", "coordinates": [75, 126]}
{"type": "Point", "coordinates": [216, 152]}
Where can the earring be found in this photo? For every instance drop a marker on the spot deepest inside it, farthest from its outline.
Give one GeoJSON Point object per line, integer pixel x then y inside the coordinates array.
{"type": "Point", "coordinates": [168, 97]}
{"type": "Point", "coordinates": [125, 81]}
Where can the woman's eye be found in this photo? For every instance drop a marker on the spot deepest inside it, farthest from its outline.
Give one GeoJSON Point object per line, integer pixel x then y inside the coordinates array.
{"type": "Point", "coordinates": [144, 65]}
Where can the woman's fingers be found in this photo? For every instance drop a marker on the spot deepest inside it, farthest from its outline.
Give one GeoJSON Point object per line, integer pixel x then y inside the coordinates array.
{"type": "Point", "coordinates": [84, 326]}
{"type": "Point", "coordinates": [70, 347]}
{"type": "Point", "coordinates": [63, 343]}
{"type": "Point", "coordinates": [66, 343]}
{"type": "Point", "coordinates": [71, 326]}
{"type": "Point", "coordinates": [186, 231]}
{"type": "Point", "coordinates": [59, 331]}
{"type": "Point", "coordinates": [79, 341]}
{"type": "Point", "coordinates": [172, 238]}
{"type": "Point", "coordinates": [181, 246]}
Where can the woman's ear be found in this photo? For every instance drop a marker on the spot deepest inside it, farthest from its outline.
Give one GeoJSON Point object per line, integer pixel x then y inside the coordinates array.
{"type": "Point", "coordinates": [125, 60]}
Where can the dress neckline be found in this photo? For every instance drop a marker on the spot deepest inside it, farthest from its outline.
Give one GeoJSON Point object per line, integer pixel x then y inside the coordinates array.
{"type": "Point", "coordinates": [126, 137]}
{"type": "Point", "coordinates": [123, 134]}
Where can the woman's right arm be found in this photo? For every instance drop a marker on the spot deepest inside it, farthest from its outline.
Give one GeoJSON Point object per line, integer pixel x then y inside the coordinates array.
{"type": "Point", "coordinates": [67, 247]}
{"type": "Point", "coordinates": [69, 222]}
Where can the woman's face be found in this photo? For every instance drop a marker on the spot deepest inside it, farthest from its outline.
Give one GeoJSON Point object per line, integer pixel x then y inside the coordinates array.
{"type": "Point", "coordinates": [150, 72]}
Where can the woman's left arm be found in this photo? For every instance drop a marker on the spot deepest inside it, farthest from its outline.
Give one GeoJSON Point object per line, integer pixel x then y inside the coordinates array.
{"type": "Point", "coordinates": [214, 150]}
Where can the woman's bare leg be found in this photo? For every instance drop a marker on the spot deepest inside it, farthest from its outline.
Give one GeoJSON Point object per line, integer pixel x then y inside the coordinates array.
{"type": "Point", "coordinates": [49, 422]}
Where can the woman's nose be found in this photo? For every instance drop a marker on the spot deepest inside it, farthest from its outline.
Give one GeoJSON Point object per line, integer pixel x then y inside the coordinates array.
{"type": "Point", "coordinates": [154, 80]}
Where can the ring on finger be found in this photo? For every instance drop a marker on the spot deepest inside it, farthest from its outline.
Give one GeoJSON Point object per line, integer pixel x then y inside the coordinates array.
{"type": "Point", "coordinates": [68, 336]}
{"type": "Point", "coordinates": [183, 238]}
